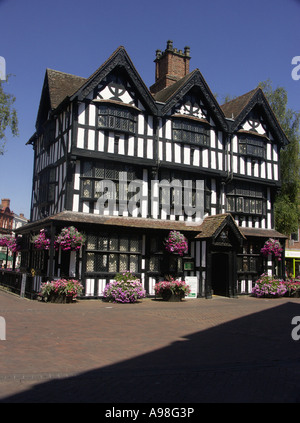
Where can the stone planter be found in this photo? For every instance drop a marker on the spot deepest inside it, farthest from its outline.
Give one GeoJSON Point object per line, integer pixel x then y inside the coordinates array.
{"type": "Point", "coordinates": [59, 299]}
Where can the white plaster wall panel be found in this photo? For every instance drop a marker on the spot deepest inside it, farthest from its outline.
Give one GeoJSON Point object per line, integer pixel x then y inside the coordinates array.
{"type": "Point", "coordinates": [111, 143]}
{"type": "Point", "coordinates": [121, 146]}
{"type": "Point", "coordinates": [80, 138]}
{"type": "Point", "coordinates": [150, 126]}
{"type": "Point", "coordinates": [168, 129]}
{"type": "Point", "coordinates": [186, 155]}
{"type": "Point", "coordinates": [131, 146]}
{"type": "Point", "coordinates": [205, 158]}
{"type": "Point", "coordinates": [101, 138]}
{"type": "Point", "coordinates": [150, 149]}
{"type": "Point", "coordinates": [140, 150]}
{"type": "Point", "coordinates": [81, 114]}
{"type": "Point", "coordinates": [91, 139]}
{"type": "Point", "coordinates": [75, 203]}
{"type": "Point", "coordinates": [92, 115]}
{"type": "Point", "coordinates": [141, 124]}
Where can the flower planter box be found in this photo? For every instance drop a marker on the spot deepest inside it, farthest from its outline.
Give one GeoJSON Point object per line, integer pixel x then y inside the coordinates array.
{"type": "Point", "coordinates": [173, 297]}
{"type": "Point", "coordinates": [172, 290]}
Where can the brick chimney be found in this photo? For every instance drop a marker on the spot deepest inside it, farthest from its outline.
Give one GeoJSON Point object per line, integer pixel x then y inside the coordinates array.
{"type": "Point", "coordinates": [171, 65]}
{"type": "Point", "coordinates": [5, 202]}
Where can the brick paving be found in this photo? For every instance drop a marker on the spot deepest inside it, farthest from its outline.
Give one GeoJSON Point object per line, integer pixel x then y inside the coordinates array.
{"type": "Point", "coordinates": [197, 351]}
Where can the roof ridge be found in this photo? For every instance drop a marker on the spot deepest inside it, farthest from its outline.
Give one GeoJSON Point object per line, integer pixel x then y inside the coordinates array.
{"type": "Point", "coordinates": [240, 96]}
{"type": "Point", "coordinates": [64, 73]}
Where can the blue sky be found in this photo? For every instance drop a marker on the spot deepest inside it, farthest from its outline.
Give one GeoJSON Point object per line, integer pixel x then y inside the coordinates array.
{"type": "Point", "coordinates": [235, 44]}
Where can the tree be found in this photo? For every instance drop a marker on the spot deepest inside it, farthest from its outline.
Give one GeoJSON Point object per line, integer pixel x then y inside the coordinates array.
{"type": "Point", "coordinates": [287, 201]}
{"type": "Point", "coordinates": [8, 116]}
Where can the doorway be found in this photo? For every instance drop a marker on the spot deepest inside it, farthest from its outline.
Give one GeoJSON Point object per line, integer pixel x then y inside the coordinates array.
{"type": "Point", "coordinates": [220, 277]}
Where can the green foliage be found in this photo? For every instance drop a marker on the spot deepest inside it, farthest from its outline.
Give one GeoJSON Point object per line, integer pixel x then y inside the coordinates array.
{"type": "Point", "coordinates": [8, 116]}
{"type": "Point", "coordinates": [286, 214]}
{"type": "Point", "coordinates": [287, 201]}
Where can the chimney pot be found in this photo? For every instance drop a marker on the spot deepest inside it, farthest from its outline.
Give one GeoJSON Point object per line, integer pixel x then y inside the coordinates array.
{"type": "Point", "coordinates": [169, 45]}
{"type": "Point", "coordinates": [171, 65]}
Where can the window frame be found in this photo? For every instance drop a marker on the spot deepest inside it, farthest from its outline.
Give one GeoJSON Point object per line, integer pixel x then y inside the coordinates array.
{"type": "Point", "coordinates": [252, 145]}
{"type": "Point", "coordinates": [186, 129]}
{"type": "Point", "coordinates": [111, 172]}
{"type": "Point", "coordinates": [102, 256]}
{"type": "Point", "coordinates": [246, 199]}
{"type": "Point", "coordinates": [117, 117]}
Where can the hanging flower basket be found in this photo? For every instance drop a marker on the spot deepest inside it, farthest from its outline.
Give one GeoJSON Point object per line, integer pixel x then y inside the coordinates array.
{"type": "Point", "coordinates": [41, 241]}
{"type": "Point", "coordinates": [11, 243]}
{"type": "Point", "coordinates": [272, 246]}
{"type": "Point", "coordinates": [4, 240]}
{"type": "Point", "coordinates": [176, 243]}
{"type": "Point", "coordinates": [70, 239]}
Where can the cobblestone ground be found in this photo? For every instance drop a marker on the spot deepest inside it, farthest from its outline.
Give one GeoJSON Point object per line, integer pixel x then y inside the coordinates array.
{"type": "Point", "coordinates": [197, 351]}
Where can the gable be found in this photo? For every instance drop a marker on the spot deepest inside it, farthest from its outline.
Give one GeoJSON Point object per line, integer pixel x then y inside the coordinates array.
{"type": "Point", "coordinates": [191, 106]}
{"type": "Point", "coordinates": [116, 79]}
{"type": "Point", "coordinates": [117, 88]}
{"type": "Point", "coordinates": [192, 86]}
{"type": "Point", "coordinates": [251, 112]}
{"type": "Point", "coordinates": [221, 229]}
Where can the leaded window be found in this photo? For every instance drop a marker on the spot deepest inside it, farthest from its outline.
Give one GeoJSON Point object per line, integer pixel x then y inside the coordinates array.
{"type": "Point", "coordinates": [191, 132]}
{"type": "Point", "coordinates": [47, 183]}
{"type": "Point", "coordinates": [93, 172]}
{"type": "Point", "coordinates": [113, 253]}
{"type": "Point", "coordinates": [245, 198]}
{"type": "Point", "coordinates": [252, 146]}
{"type": "Point", "coordinates": [118, 118]}
{"type": "Point", "coordinates": [250, 260]}
{"type": "Point", "coordinates": [194, 190]}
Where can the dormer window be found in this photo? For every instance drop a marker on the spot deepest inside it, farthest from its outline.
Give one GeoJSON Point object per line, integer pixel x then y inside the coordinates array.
{"type": "Point", "coordinates": [253, 146]}
{"type": "Point", "coordinates": [117, 117]}
{"type": "Point", "coordinates": [191, 131]}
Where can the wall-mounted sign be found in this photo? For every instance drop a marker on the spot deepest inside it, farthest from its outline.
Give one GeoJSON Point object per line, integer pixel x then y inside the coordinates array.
{"type": "Point", "coordinates": [189, 265]}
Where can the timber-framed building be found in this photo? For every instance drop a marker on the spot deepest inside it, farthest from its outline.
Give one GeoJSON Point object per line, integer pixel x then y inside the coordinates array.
{"type": "Point", "coordinates": [111, 127]}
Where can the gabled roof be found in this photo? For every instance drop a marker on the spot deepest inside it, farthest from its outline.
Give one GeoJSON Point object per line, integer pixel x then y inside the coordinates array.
{"type": "Point", "coordinates": [120, 59]}
{"type": "Point", "coordinates": [62, 85]}
{"type": "Point", "coordinates": [233, 108]}
{"type": "Point", "coordinates": [57, 86]}
{"type": "Point", "coordinates": [238, 109]}
{"type": "Point", "coordinates": [213, 225]}
{"type": "Point", "coordinates": [173, 93]}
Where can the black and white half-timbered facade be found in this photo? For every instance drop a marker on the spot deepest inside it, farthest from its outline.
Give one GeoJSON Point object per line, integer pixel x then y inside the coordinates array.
{"type": "Point", "coordinates": [126, 165]}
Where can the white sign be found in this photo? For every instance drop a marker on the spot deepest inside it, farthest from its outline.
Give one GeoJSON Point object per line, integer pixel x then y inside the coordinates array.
{"type": "Point", "coordinates": [192, 281]}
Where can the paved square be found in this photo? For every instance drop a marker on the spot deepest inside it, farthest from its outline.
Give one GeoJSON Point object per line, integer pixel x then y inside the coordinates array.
{"type": "Point", "coordinates": [196, 351]}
